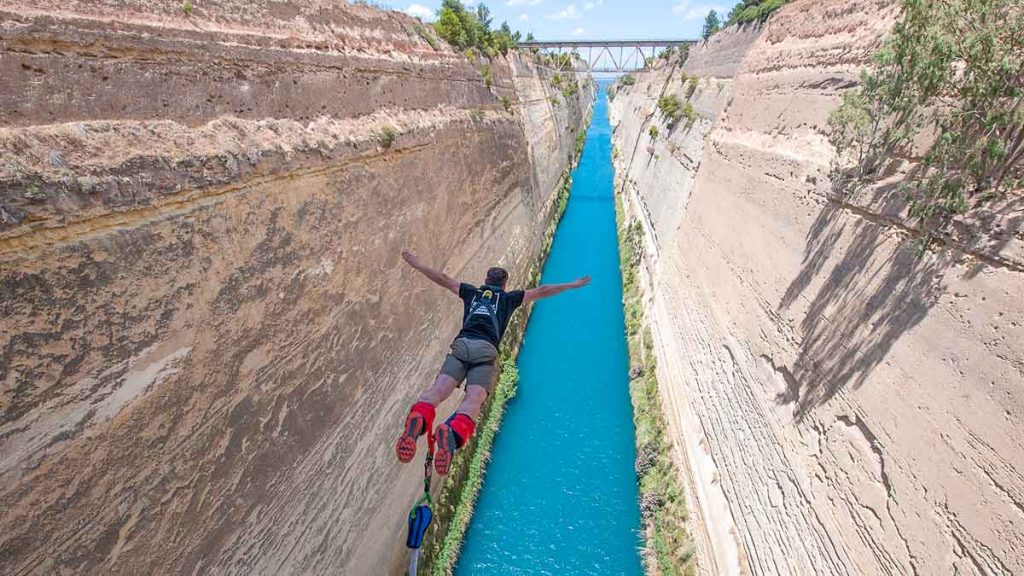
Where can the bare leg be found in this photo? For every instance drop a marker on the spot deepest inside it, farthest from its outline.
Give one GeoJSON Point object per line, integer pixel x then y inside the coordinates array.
{"type": "Point", "coordinates": [457, 430]}
{"type": "Point", "coordinates": [441, 389]}
{"type": "Point", "coordinates": [471, 403]}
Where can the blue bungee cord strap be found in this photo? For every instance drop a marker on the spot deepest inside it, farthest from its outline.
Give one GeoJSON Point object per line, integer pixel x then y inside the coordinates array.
{"type": "Point", "coordinates": [421, 515]}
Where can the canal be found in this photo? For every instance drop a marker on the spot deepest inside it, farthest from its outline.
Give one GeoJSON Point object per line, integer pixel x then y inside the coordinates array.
{"type": "Point", "coordinates": [560, 494]}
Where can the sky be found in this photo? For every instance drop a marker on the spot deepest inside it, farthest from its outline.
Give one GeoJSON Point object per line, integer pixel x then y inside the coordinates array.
{"type": "Point", "coordinates": [591, 19]}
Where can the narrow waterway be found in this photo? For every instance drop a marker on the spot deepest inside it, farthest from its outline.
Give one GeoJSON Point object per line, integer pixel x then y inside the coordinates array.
{"type": "Point", "coordinates": [560, 495]}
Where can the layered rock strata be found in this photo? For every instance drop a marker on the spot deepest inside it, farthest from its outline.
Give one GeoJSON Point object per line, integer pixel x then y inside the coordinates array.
{"type": "Point", "coordinates": [841, 405]}
{"type": "Point", "coordinates": [207, 337]}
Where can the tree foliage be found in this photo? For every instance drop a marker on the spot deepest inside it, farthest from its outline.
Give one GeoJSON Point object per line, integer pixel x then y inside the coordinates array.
{"type": "Point", "coordinates": [669, 548]}
{"type": "Point", "coordinates": [691, 85]}
{"type": "Point", "coordinates": [386, 137]}
{"type": "Point", "coordinates": [753, 10]}
{"type": "Point", "coordinates": [689, 114]}
{"type": "Point", "coordinates": [683, 52]}
{"type": "Point", "coordinates": [567, 84]}
{"type": "Point", "coordinates": [563, 62]}
{"type": "Point", "coordinates": [951, 73]}
{"type": "Point", "coordinates": [671, 108]}
{"type": "Point", "coordinates": [711, 25]}
{"type": "Point", "coordinates": [466, 28]}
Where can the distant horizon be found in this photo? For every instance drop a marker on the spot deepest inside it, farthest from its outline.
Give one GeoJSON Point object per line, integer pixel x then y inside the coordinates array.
{"type": "Point", "coordinates": [616, 39]}
{"type": "Point", "coordinates": [591, 20]}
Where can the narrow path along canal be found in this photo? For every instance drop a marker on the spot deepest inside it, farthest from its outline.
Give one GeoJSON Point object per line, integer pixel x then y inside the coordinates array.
{"type": "Point", "coordinates": [560, 494]}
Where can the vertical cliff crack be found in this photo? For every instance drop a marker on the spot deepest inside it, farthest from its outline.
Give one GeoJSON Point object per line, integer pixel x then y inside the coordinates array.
{"type": "Point", "coordinates": [890, 492]}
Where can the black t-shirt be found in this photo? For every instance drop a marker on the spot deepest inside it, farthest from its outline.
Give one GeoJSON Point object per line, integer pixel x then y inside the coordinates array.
{"type": "Point", "coordinates": [477, 324]}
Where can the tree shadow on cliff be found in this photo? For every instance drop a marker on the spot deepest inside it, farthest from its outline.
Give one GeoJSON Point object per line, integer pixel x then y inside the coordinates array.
{"type": "Point", "coordinates": [992, 229]}
{"type": "Point", "coordinates": [870, 292]}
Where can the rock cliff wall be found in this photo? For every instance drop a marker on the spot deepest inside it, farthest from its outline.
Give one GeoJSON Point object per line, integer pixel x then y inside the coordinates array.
{"type": "Point", "coordinates": [841, 405]}
{"type": "Point", "coordinates": [207, 338]}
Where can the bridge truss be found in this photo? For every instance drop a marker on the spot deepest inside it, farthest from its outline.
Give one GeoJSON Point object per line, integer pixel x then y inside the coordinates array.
{"type": "Point", "coordinates": [609, 55]}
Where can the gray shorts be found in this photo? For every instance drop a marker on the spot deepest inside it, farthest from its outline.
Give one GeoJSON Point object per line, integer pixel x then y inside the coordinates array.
{"type": "Point", "coordinates": [472, 360]}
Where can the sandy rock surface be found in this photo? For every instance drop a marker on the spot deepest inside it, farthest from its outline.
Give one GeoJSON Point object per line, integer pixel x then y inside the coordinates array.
{"type": "Point", "coordinates": [207, 338]}
{"type": "Point", "coordinates": [841, 405]}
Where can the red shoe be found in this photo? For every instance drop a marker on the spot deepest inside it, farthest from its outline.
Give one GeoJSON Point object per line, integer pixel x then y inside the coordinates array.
{"type": "Point", "coordinates": [449, 437]}
{"type": "Point", "coordinates": [447, 444]}
{"type": "Point", "coordinates": [416, 423]}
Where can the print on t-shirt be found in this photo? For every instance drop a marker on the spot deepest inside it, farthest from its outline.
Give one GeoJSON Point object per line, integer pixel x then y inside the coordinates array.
{"type": "Point", "coordinates": [486, 309]}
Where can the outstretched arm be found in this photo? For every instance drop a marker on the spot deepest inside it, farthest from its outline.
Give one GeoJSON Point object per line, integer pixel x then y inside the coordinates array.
{"type": "Point", "coordinates": [436, 276]}
{"type": "Point", "coordinates": [552, 289]}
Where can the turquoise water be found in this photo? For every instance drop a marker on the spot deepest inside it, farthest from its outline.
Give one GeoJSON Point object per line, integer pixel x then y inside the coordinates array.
{"type": "Point", "coordinates": [560, 496]}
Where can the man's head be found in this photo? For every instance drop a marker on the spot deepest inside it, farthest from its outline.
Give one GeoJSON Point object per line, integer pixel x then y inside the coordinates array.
{"type": "Point", "coordinates": [497, 277]}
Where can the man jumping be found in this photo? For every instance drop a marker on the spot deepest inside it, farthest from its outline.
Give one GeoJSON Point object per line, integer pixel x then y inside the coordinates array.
{"type": "Point", "coordinates": [485, 315]}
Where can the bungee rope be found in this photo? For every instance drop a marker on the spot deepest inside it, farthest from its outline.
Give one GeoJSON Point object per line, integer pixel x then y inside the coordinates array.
{"type": "Point", "coordinates": [421, 515]}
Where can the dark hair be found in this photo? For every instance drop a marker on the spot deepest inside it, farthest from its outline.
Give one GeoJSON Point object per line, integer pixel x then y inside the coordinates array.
{"type": "Point", "coordinates": [497, 277]}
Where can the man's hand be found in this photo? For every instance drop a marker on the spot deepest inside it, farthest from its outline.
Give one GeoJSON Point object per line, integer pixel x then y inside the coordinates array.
{"type": "Point", "coordinates": [410, 259]}
{"type": "Point", "coordinates": [549, 290]}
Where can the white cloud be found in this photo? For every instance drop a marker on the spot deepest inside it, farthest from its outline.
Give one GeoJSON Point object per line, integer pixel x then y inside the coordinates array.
{"type": "Point", "coordinates": [593, 4]}
{"type": "Point", "coordinates": [524, 17]}
{"type": "Point", "coordinates": [681, 7]}
{"type": "Point", "coordinates": [568, 13]}
{"type": "Point", "coordinates": [579, 31]}
{"type": "Point", "coordinates": [690, 11]}
{"type": "Point", "coordinates": [419, 11]}
{"type": "Point", "coordinates": [523, 2]}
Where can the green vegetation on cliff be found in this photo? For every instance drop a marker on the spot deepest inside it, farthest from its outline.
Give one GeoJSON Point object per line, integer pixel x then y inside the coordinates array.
{"type": "Point", "coordinates": [753, 11]}
{"type": "Point", "coordinates": [564, 62]}
{"type": "Point", "coordinates": [742, 13]}
{"type": "Point", "coordinates": [568, 85]}
{"type": "Point", "coordinates": [691, 85]}
{"type": "Point", "coordinates": [455, 504]}
{"type": "Point", "coordinates": [950, 75]}
{"type": "Point", "coordinates": [671, 109]}
{"type": "Point", "coordinates": [668, 550]}
{"type": "Point", "coordinates": [465, 28]}
{"type": "Point", "coordinates": [621, 84]}
{"type": "Point", "coordinates": [454, 507]}
{"type": "Point", "coordinates": [472, 470]}
{"type": "Point", "coordinates": [711, 25]}
{"type": "Point", "coordinates": [386, 137]}
{"type": "Point", "coordinates": [423, 33]}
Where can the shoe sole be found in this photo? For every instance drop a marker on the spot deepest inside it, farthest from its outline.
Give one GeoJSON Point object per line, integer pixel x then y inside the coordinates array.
{"type": "Point", "coordinates": [445, 449]}
{"type": "Point", "coordinates": [405, 447]}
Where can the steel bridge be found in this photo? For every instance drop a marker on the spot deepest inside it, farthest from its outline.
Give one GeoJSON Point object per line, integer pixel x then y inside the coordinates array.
{"type": "Point", "coordinates": [608, 55]}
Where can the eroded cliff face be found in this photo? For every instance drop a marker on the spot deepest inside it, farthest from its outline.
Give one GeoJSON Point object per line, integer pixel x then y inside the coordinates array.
{"type": "Point", "coordinates": [841, 406]}
{"type": "Point", "coordinates": [207, 337]}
